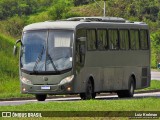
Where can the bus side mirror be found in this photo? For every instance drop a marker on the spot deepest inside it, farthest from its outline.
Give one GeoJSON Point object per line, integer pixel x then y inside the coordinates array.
{"type": "Point", "coordinates": [15, 47]}
{"type": "Point", "coordinates": [82, 39]}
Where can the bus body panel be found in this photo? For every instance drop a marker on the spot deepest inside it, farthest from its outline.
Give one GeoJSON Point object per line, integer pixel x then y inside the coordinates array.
{"type": "Point", "coordinates": [117, 70]}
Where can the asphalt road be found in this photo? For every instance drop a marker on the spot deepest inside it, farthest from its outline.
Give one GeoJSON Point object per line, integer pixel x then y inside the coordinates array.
{"type": "Point", "coordinates": [108, 97]}
{"type": "Point", "coordinates": [155, 75]}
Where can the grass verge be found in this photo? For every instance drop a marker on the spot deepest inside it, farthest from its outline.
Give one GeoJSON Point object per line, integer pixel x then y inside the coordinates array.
{"type": "Point", "coordinates": [144, 104]}
{"type": "Point", "coordinates": [90, 107]}
{"type": "Point", "coordinates": [155, 85]}
{"type": "Point", "coordinates": [51, 108]}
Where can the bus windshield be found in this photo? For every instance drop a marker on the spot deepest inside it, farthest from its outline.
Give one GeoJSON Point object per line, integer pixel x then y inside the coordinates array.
{"type": "Point", "coordinates": [46, 51]}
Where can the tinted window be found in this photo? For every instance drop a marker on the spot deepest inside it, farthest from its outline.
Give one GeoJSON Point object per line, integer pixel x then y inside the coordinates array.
{"type": "Point", "coordinates": [124, 39]}
{"type": "Point", "coordinates": [91, 39]}
{"type": "Point", "coordinates": [134, 39]}
{"type": "Point", "coordinates": [113, 39]}
{"type": "Point", "coordinates": [144, 39]}
{"type": "Point", "coordinates": [102, 39]}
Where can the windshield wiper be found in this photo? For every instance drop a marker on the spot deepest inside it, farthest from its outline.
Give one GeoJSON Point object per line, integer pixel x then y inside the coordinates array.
{"type": "Point", "coordinates": [52, 62]}
{"type": "Point", "coordinates": [38, 59]}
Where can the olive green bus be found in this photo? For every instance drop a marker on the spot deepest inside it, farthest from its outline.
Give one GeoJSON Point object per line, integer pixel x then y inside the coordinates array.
{"type": "Point", "coordinates": [86, 56]}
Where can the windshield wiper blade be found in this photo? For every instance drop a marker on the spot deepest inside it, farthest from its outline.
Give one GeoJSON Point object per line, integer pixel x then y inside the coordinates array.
{"type": "Point", "coordinates": [52, 63]}
{"type": "Point", "coordinates": [38, 59]}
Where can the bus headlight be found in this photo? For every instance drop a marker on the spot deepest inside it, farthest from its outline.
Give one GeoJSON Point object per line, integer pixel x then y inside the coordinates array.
{"type": "Point", "coordinates": [67, 79]}
{"type": "Point", "coordinates": [25, 80]}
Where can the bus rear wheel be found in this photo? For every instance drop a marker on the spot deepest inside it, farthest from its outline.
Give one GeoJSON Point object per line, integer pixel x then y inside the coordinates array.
{"type": "Point", "coordinates": [129, 92]}
{"type": "Point", "coordinates": [41, 97]}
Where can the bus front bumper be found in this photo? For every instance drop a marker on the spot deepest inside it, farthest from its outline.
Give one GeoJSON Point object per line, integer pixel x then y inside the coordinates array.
{"type": "Point", "coordinates": [47, 89]}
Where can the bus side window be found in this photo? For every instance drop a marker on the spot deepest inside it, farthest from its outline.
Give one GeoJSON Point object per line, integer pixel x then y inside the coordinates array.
{"type": "Point", "coordinates": [134, 39]}
{"type": "Point", "coordinates": [113, 39]}
{"type": "Point", "coordinates": [124, 39]}
{"type": "Point", "coordinates": [91, 39]}
{"type": "Point", "coordinates": [144, 39]}
{"type": "Point", "coordinates": [102, 39]}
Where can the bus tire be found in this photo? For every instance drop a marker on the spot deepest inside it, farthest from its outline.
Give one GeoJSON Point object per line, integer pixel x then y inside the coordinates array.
{"type": "Point", "coordinates": [93, 95]}
{"type": "Point", "coordinates": [89, 93]}
{"type": "Point", "coordinates": [129, 92]}
{"type": "Point", "coordinates": [82, 96]}
{"type": "Point", "coordinates": [41, 97]}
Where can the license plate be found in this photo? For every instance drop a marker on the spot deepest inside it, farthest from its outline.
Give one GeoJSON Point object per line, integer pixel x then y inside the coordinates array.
{"type": "Point", "coordinates": [45, 87]}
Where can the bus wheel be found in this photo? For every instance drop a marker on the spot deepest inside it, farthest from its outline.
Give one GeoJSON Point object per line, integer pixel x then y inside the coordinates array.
{"type": "Point", "coordinates": [41, 97]}
{"type": "Point", "coordinates": [129, 92]}
{"type": "Point", "coordinates": [93, 95]}
{"type": "Point", "coordinates": [89, 93]}
{"type": "Point", "coordinates": [82, 95]}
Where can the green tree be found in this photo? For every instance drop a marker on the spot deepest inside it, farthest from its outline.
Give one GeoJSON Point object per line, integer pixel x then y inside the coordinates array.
{"type": "Point", "coordinates": [10, 8]}
{"type": "Point", "coordinates": [155, 45]}
{"type": "Point", "coordinates": [14, 26]}
{"type": "Point", "coordinates": [60, 9]}
{"type": "Point", "coordinates": [81, 2]}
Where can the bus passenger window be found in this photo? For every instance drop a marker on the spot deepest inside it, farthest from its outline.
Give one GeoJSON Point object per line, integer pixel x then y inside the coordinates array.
{"type": "Point", "coordinates": [113, 39]}
{"type": "Point", "coordinates": [134, 39]}
{"type": "Point", "coordinates": [144, 39]}
{"type": "Point", "coordinates": [102, 39]}
{"type": "Point", "coordinates": [91, 39]}
{"type": "Point", "coordinates": [124, 39]}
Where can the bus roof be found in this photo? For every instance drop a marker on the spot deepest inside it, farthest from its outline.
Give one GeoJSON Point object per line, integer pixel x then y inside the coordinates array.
{"type": "Point", "coordinates": [52, 25]}
{"type": "Point", "coordinates": [86, 22]}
